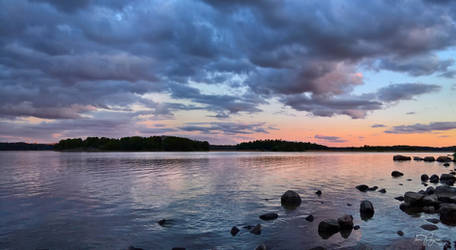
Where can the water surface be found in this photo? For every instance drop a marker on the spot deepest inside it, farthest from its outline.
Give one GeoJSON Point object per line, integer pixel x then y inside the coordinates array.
{"type": "Point", "coordinates": [112, 200]}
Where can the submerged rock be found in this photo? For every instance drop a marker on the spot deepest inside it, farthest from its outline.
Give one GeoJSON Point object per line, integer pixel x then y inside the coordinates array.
{"type": "Point", "coordinates": [429, 227]}
{"type": "Point", "coordinates": [429, 158]}
{"type": "Point", "coordinates": [407, 244]}
{"type": "Point", "coordinates": [366, 210]}
{"type": "Point", "coordinates": [401, 158]}
{"type": "Point", "coordinates": [396, 174]}
{"type": "Point", "coordinates": [256, 229]}
{"type": "Point", "coordinates": [290, 199]}
{"type": "Point", "coordinates": [234, 231]}
{"type": "Point", "coordinates": [269, 216]}
{"type": "Point", "coordinates": [433, 220]}
{"type": "Point", "coordinates": [345, 222]}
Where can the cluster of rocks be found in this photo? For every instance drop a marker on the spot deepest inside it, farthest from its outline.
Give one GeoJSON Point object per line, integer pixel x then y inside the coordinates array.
{"type": "Point", "coordinates": [443, 159]}
{"type": "Point", "coordinates": [441, 200]}
{"type": "Point", "coordinates": [343, 224]}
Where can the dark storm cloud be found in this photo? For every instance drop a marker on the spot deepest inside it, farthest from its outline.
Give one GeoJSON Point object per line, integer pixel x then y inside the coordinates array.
{"type": "Point", "coordinates": [335, 139]}
{"type": "Point", "coordinates": [422, 128]}
{"type": "Point", "coordinates": [405, 91]}
{"type": "Point", "coordinates": [63, 59]}
{"type": "Point", "coordinates": [378, 126]}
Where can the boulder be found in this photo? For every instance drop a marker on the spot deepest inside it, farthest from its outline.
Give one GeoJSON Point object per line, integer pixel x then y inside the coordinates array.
{"type": "Point", "coordinates": [234, 231]}
{"type": "Point", "coordinates": [318, 192]}
{"type": "Point", "coordinates": [366, 210]}
{"type": "Point", "coordinates": [382, 190]}
{"type": "Point", "coordinates": [356, 227]}
{"type": "Point", "coordinates": [396, 174]}
{"type": "Point", "coordinates": [409, 209]}
{"type": "Point", "coordinates": [447, 179]}
{"type": "Point", "coordinates": [417, 158]}
{"type": "Point", "coordinates": [429, 227]}
{"type": "Point", "coordinates": [446, 164]}
{"type": "Point", "coordinates": [430, 200]}
{"type": "Point", "coordinates": [424, 177]}
{"type": "Point", "coordinates": [413, 198]}
{"type": "Point", "coordinates": [444, 159]}
{"type": "Point", "coordinates": [362, 188]}
{"type": "Point", "coordinates": [290, 199]}
{"type": "Point", "coordinates": [447, 214]}
{"type": "Point", "coordinates": [430, 190]}
{"type": "Point", "coordinates": [328, 227]}
{"type": "Point", "coordinates": [269, 216]}
{"type": "Point", "coordinates": [345, 222]}
{"type": "Point", "coordinates": [309, 218]}
{"type": "Point", "coordinates": [429, 158]}
{"type": "Point", "coordinates": [434, 178]}
{"type": "Point", "coordinates": [429, 209]}
{"type": "Point", "coordinates": [399, 198]}
{"type": "Point", "coordinates": [401, 158]}
{"type": "Point", "coordinates": [400, 233]}
{"type": "Point", "coordinates": [256, 229]}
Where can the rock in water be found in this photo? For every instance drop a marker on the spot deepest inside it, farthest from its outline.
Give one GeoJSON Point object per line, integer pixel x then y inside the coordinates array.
{"type": "Point", "coordinates": [433, 220]}
{"type": "Point", "coordinates": [444, 159]}
{"type": "Point", "coordinates": [400, 233]}
{"type": "Point", "coordinates": [448, 214]}
{"type": "Point", "coordinates": [345, 222]}
{"type": "Point", "coordinates": [382, 190]}
{"type": "Point", "coordinates": [362, 188]}
{"type": "Point", "coordinates": [434, 178]}
{"type": "Point", "coordinates": [424, 177]}
{"type": "Point", "coordinates": [401, 158]}
{"type": "Point", "coordinates": [261, 247]}
{"type": "Point", "coordinates": [446, 164]}
{"type": "Point", "coordinates": [429, 227]}
{"type": "Point", "coordinates": [366, 210]}
{"type": "Point", "coordinates": [310, 218]}
{"type": "Point", "coordinates": [290, 199]}
{"type": "Point", "coordinates": [256, 230]}
{"type": "Point", "coordinates": [396, 174]}
{"type": "Point", "coordinates": [318, 192]}
{"type": "Point", "coordinates": [234, 231]}
{"type": "Point", "coordinates": [328, 227]}
{"type": "Point", "coordinates": [269, 216]}
{"type": "Point", "coordinates": [417, 158]}
{"type": "Point", "coordinates": [413, 198]}
{"type": "Point", "coordinates": [429, 158]}
{"type": "Point", "coordinates": [372, 188]}
{"type": "Point", "coordinates": [134, 248]}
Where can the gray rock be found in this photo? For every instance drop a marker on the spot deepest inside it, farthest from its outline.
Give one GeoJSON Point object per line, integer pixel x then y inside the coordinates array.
{"type": "Point", "coordinates": [417, 158]}
{"type": "Point", "coordinates": [345, 222]}
{"type": "Point", "coordinates": [399, 198]}
{"type": "Point", "coordinates": [234, 231]}
{"type": "Point", "coordinates": [362, 188]}
{"type": "Point", "coordinates": [401, 158]}
{"type": "Point", "coordinates": [400, 233]}
{"type": "Point", "coordinates": [424, 177]}
{"type": "Point", "coordinates": [366, 210]}
{"type": "Point", "coordinates": [309, 218]}
{"type": "Point", "coordinates": [433, 220]}
{"type": "Point", "coordinates": [372, 188]}
{"type": "Point", "coordinates": [430, 200]}
{"type": "Point", "coordinates": [328, 227]}
{"type": "Point", "coordinates": [382, 190]}
{"type": "Point", "coordinates": [434, 178]}
{"type": "Point", "coordinates": [447, 179]}
{"type": "Point", "coordinates": [269, 216]}
{"type": "Point", "coordinates": [396, 173]}
{"type": "Point", "coordinates": [444, 159]}
{"type": "Point", "coordinates": [448, 214]}
{"type": "Point", "coordinates": [429, 227]}
{"type": "Point", "coordinates": [429, 209]}
{"type": "Point", "coordinates": [290, 199]}
{"type": "Point", "coordinates": [413, 198]}
{"type": "Point", "coordinates": [430, 190]}
{"type": "Point", "coordinates": [429, 158]}
{"type": "Point", "coordinates": [256, 229]}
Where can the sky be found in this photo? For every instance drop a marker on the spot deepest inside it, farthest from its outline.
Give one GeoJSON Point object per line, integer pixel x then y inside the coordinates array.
{"type": "Point", "coordinates": [338, 73]}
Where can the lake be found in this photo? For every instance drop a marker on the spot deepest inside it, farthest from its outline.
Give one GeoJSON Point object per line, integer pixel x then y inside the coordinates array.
{"type": "Point", "coordinates": [56, 200]}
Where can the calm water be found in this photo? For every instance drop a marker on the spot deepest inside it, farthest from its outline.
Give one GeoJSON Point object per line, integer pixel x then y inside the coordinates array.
{"type": "Point", "coordinates": [113, 200]}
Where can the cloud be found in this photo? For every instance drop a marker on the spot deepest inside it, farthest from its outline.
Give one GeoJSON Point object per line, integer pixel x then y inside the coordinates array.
{"type": "Point", "coordinates": [229, 128]}
{"type": "Point", "coordinates": [405, 91]}
{"type": "Point", "coordinates": [378, 126]}
{"type": "Point", "coordinates": [334, 139]}
{"type": "Point", "coordinates": [422, 128]}
{"type": "Point", "coordinates": [410, 113]}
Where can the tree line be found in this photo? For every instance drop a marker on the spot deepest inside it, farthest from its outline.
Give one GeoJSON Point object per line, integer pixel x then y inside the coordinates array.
{"type": "Point", "coordinates": [134, 143]}
{"type": "Point", "coordinates": [279, 145]}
